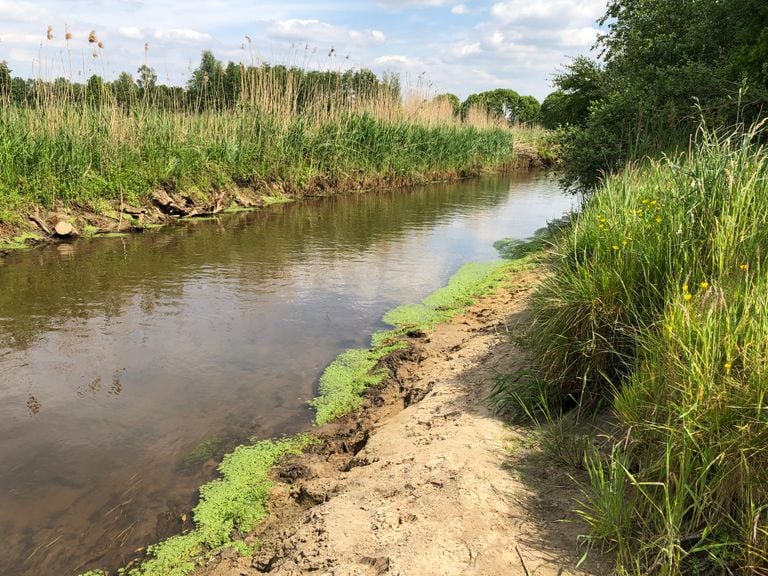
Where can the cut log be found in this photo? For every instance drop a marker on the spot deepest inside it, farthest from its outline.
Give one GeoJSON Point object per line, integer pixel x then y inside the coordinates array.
{"type": "Point", "coordinates": [63, 229]}
{"type": "Point", "coordinates": [37, 220]}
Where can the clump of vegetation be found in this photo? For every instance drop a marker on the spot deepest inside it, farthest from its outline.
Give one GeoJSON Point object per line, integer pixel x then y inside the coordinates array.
{"type": "Point", "coordinates": [355, 370]}
{"type": "Point", "coordinates": [471, 281]}
{"type": "Point", "coordinates": [275, 128]}
{"type": "Point", "coordinates": [656, 60]}
{"type": "Point", "coordinates": [343, 381]}
{"type": "Point", "coordinates": [230, 505]}
{"type": "Point", "coordinates": [656, 306]}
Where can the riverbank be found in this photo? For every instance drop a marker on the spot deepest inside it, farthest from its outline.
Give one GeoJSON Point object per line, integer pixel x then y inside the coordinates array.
{"type": "Point", "coordinates": [76, 170]}
{"type": "Point", "coordinates": [422, 478]}
{"type": "Point", "coordinates": [35, 225]}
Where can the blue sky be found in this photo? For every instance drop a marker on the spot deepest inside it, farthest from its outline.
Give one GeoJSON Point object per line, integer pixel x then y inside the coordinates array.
{"type": "Point", "coordinates": [435, 45]}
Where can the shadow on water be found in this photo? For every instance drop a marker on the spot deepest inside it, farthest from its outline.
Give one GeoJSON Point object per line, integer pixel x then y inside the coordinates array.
{"type": "Point", "coordinates": [128, 365]}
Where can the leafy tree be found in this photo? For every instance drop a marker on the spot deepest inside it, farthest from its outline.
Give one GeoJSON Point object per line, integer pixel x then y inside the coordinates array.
{"type": "Point", "coordinates": [664, 65]}
{"type": "Point", "coordinates": [5, 81]}
{"type": "Point", "coordinates": [452, 99]}
{"type": "Point", "coordinates": [147, 79]}
{"type": "Point", "coordinates": [125, 90]}
{"type": "Point", "coordinates": [206, 87]}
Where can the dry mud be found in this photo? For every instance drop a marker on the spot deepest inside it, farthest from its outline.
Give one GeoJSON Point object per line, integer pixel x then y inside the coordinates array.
{"type": "Point", "coordinates": [424, 480]}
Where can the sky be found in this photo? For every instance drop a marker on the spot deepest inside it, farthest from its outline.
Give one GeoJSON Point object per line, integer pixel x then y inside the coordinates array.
{"type": "Point", "coordinates": [434, 45]}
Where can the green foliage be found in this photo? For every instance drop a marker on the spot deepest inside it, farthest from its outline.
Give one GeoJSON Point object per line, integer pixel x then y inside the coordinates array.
{"type": "Point", "coordinates": [472, 280]}
{"type": "Point", "coordinates": [658, 60]}
{"type": "Point", "coordinates": [232, 503]}
{"type": "Point", "coordinates": [342, 383]}
{"type": "Point", "coordinates": [503, 103]}
{"type": "Point", "coordinates": [656, 305]}
{"type": "Point", "coordinates": [353, 371]}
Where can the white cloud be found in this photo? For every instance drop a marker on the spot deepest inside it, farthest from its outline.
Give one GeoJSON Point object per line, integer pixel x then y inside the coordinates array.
{"type": "Point", "coordinates": [131, 32]}
{"type": "Point", "coordinates": [459, 9]}
{"type": "Point", "coordinates": [549, 13]}
{"type": "Point", "coordinates": [21, 11]}
{"type": "Point", "coordinates": [412, 3]}
{"type": "Point", "coordinates": [463, 50]}
{"type": "Point", "coordinates": [314, 31]}
{"type": "Point", "coordinates": [579, 37]}
{"type": "Point", "coordinates": [182, 35]}
{"type": "Point", "coordinates": [399, 61]}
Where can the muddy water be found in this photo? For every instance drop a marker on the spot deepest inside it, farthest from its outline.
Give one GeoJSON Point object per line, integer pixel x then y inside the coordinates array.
{"type": "Point", "coordinates": [127, 365]}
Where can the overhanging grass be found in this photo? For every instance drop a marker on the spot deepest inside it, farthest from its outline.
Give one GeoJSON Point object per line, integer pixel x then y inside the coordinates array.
{"type": "Point", "coordinates": [75, 153]}
{"type": "Point", "coordinates": [657, 305]}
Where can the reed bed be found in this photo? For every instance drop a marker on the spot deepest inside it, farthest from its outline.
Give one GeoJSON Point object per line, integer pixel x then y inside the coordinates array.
{"type": "Point", "coordinates": [657, 306]}
{"type": "Point", "coordinates": [89, 146]}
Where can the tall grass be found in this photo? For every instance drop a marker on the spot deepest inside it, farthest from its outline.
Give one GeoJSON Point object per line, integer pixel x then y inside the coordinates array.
{"type": "Point", "coordinates": [67, 150]}
{"type": "Point", "coordinates": [658, 304]}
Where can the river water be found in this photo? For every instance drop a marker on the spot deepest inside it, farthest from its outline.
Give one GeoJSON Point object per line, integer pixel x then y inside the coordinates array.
{"type": "Point", "coordinates": [128, 365]}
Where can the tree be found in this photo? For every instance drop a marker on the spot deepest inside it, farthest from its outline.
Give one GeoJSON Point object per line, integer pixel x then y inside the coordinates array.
{"type": "Point", "coordinates": [6, 81]}
{"type": "Point", "coordinates": [125, 90]}
{"type": "Point", "coordinates": [147, 79]}
{"type": "Point", "coordinates": [95, 90]}
{"type": "Point", "coordinates": [206, 86]}
{"type": "Point", "coordinates": [503, 103]}
{"type": "Point", "coordinates": [451, 99]}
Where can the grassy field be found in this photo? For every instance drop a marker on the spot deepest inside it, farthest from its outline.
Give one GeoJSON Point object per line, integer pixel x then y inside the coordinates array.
{"type": "Point", "coordinates": [60, 152]}
{"type": "Point", "coordinates": [656, 307]}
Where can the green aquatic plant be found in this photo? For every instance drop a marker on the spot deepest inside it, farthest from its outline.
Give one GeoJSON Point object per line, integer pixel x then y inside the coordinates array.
{"type": "Point", "coordinates": [230, 505]}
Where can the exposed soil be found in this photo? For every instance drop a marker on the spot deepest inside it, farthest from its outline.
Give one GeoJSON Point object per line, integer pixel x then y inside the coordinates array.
{"type": "Point", "coordinates": [424, 480]}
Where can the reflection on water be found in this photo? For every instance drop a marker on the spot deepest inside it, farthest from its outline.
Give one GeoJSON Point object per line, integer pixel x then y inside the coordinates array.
{"type": "Point", "coordinates": [127, 364]}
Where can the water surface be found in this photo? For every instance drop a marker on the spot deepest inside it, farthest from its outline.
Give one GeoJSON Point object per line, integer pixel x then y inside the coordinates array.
{"type": "Point", "coordinates": [125, 363]}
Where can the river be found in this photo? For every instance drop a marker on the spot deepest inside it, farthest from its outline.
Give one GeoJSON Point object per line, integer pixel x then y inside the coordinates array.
{"type": "Point", "coordinates": [127, 365]}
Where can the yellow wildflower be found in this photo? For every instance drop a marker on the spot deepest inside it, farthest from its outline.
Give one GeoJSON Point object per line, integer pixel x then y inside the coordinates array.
{"type": "Point", "coordinates": [704, 285]}
{"type": "Point", "coordinates": [744, 267]}
{"type": "Point", "coordinates": [615, 247]}
{"type": "Point", "coordinates": [658, 219]}
{"type": "Point", "coordinates": [727, 366]}
{"type": "Point", "coordinates": [687, 296]}
{"type": "Point", "coordinates": [685, 287]}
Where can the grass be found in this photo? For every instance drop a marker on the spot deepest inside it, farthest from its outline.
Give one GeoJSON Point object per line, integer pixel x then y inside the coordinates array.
{"type": "Point", "coordinates": [656, 306]}
{"type": "Point", "coordinates": [65, 153]}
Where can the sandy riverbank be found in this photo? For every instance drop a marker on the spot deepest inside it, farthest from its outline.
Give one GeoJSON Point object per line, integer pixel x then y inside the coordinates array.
{"type": "Point", "coordinates": [424, 479]}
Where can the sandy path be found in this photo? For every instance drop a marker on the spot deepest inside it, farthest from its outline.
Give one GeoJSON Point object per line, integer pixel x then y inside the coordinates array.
{"type": "Point", "coordinates": [441, 487]}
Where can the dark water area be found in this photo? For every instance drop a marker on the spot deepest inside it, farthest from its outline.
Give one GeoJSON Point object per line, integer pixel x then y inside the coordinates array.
{"type": "Point", "coordinates": [126, 364]}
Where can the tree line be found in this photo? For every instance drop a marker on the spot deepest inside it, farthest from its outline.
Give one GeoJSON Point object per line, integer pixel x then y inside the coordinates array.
{"type": "Point", "coordinates": [218, 86]}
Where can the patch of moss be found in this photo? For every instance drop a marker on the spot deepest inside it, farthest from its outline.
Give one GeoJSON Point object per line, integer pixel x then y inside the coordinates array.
{"type": "Point", "coordinates": [473, 280]}
{"type": "Point", "coordinates": [231, 504]}
{"type": "Point", "coordinates": [26, 240]}
{"type": "Point", "coordinates": [342, 383]}
{"type": "Point", "coordinates": [344, 380]}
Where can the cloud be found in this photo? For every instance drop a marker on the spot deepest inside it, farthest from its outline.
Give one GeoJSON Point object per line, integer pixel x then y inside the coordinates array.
{"type": "Point", "coordinates": [579, 37]}
{"type": "Point", "coordinates": [131, 32]}
{"type": "Point", "coordinates": [317, 31]}
{"type": "Point", "coordinates": [21, 11]}
{"type": "Point", "coordinates": [399, 61]}
{"type": "Point", "coordinates": [182, 35]}
{"type": "Point", "coordinates": [459, 9]}
{"type": "Point", "coordinates": [412, 3]}
{"type": "Point", "coordinates": [463, 50]}
{"type": "Point", "coordinates": [548, 13]}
